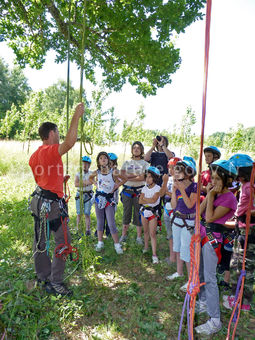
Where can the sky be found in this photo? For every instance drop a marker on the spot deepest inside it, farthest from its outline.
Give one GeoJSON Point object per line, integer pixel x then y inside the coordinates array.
{"type": "Point", "coordinates": [231, 77]}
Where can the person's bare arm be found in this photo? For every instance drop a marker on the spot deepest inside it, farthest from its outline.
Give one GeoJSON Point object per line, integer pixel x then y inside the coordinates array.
{"type": "Point", "coordinates": [147, 156]}
{"type": "Point", "coordinates": [168, 153]}
{"type": "Point", "coordinates": [153, 199]}
{"type": "Point", "coordinates": [84, 183]}
{"type": "Point", "coordinates": [92, 178]}
{"type": "Point", "coordinates": [212, 214]}
{"type": "Point", "coordinates": [71, 135]}
{"type": "Point", "coordinates": [162, 191]}
{"type": "Point", "coordinates": [132, 177]}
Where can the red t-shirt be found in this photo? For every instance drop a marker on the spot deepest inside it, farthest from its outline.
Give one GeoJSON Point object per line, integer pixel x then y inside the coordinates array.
{"type": "Point", "coordinates": [47, 167]}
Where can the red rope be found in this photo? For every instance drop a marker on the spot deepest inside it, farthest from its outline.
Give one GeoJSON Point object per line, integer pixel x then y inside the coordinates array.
{"type": "Point", "coordinates": [240, 294]}
{"type": "Point", "coordinates": [64, 249]}
{"type": "Point", "coordinates": [194, 283]}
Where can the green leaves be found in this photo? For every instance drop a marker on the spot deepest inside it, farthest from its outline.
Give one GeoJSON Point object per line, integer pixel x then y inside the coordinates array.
{"type": "Point", "coordinates": [128, 40]}
{"type": "Point", "coordinates": [14, 88]}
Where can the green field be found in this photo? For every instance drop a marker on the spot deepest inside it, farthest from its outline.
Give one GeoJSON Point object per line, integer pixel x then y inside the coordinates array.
{"type": "Point", "coordinates": [115, 296]}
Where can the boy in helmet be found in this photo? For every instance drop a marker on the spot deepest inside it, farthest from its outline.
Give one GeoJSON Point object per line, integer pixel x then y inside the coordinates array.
{"type": "Point", "coordinates": [212, 154]}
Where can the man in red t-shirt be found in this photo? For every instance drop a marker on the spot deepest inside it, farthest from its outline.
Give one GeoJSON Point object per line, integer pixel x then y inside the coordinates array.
{"type": "Point", "coordinates": [47, 168]}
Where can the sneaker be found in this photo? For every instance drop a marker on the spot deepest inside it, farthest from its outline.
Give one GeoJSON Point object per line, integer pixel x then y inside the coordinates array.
{"type": "Point", "coordinates": [200, 307]}
{"type": "Point", "coordinates": [184, 287]}
{"type": "Point", "coordinates": [139, 241]}
{"type": "Point", "coordinates": [145, 251]}
{"type": "Point", "coordinates": [123, 239]}
{"type": "Point", "coordinates": [61, 289]}
{"type": "Point", "coordinates": [173, 276]}
{"type": "Point", "coordinates": [88, 233]}
{"type": "Point", "coordinates": [210, 327]}
{"type": "Point", "coordinates": [99, 246]}
{"type": "Point", "coordinates": [155, 260]}
{"type": "Point", "coordinates": [118, 248]}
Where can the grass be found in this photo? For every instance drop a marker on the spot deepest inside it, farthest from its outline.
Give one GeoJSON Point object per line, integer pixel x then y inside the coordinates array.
{"type": "Point", "coordinates": [115, 297]}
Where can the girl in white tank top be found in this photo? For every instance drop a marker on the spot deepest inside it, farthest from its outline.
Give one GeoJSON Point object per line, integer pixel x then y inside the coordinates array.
{"type": "Point", "coordinates": [104, 178]}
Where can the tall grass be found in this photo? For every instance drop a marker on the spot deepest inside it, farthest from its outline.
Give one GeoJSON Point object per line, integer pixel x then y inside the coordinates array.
{"type": "Point", "coordinates": [115, 297]}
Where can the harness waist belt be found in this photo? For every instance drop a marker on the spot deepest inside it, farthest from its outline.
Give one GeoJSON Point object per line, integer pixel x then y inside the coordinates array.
{"type": "Point", "coordinates": [47, 194]}
{"type": "Point", "coordinates": [213, 227]}
{"type": "Point", "coordinates": [104, 194]}
{"type": "Point", "coordinates": [184, 216]}
{"type": "Point", "coordinates": [132, 188]}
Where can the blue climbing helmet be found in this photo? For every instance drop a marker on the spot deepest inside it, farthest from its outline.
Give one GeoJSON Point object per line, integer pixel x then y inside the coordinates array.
{"type": "Point", "coordinates": [153, 170]}
{"type": "Point", "coordinates": [86, 159]}
{"type": "Point", "coordinates": [241, 160]}
{"type": "Point", "coordinates": [189, 164]}
{"type": "Point", "coordinates": [113, 156]}
{"type": "Point", "coordinates": [226, 166]}
{"type": "Point", "coordinates": [214, 150]}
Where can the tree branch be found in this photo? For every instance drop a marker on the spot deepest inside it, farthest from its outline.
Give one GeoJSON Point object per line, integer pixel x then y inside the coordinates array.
{"type": "Point", "coordinates": [63, 27]}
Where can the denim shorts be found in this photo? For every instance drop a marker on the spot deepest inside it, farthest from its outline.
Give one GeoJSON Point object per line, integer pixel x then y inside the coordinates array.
{"type": "Point", "coordinates": [87, 206]}
{"type": "Point", "coordinates": [182, 238]}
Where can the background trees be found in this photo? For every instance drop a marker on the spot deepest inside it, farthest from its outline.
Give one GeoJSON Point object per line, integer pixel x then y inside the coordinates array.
{"type": "Point", "coordinates": [14, 88]}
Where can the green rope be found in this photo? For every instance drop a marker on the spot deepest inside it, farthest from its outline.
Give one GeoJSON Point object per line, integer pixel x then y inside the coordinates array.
{"type": "Point", "coordinates": [68, 81]}
{"type": "Point", "coordinates": [82, 120]}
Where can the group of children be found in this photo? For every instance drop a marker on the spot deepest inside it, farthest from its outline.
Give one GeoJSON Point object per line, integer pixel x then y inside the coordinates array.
{"type": "Point", "coordinates": [158, 180]}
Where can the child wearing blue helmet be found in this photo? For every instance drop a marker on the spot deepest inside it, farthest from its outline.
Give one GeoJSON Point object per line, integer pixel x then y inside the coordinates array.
{"type": "Point", "coordinates": [212, 154]}
{"type": "Point", "coordinates": [184, 194]}
{"type": "Point", "coordinates": [87, 193]}
{"type": "Point", "coordinates": [218, 207]}
{"type": "Point", "coordinates": [244, 164]}
{"type": "Point", "coordinates": [150, 199]}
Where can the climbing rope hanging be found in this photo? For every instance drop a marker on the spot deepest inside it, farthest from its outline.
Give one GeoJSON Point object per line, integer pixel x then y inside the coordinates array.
{"type": "Point", "coordinates": [194, 283]}
{"type": "Point", "coordinates": [68, 79]}
{"type": "Point", "coordinates": [82, 136]}
{"type": "Point", "coordinates": [66, 178]}
{"type": "Point", "coordinates": [240, 285]}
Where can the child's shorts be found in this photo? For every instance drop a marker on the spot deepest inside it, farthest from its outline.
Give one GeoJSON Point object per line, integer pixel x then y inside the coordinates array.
{"type": "Point", "coordinates": [182, 238]}
{"type": "Point", "coordinates": [87, 206]}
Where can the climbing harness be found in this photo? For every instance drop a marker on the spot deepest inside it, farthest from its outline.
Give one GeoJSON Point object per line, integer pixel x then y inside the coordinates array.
{"type": "Point", "coordinates": [49, 212]}
{"type": "Point", "coordinates": [87, 196]}
{"type": "Point", "coordinates": [135, 191]}
{"type": "Point", "coordinates": [154, 210]}
{"type": "Point", "coordinates": [184, 218]}
{"type": "Point", "coordinates": [103, 199]}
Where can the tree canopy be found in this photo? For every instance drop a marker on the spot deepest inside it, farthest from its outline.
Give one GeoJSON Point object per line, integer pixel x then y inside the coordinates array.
{"type": "Point", "coordinates": [128, 40]}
